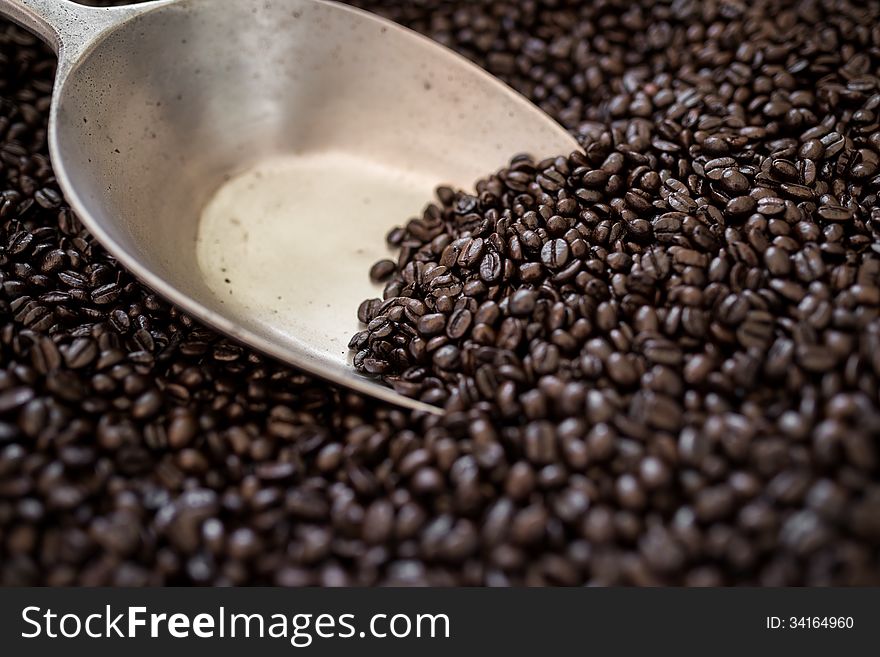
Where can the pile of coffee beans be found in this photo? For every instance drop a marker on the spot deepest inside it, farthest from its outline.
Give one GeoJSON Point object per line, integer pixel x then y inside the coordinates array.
{"type": "Point", "coordinates": [658, 356]}
{"type": "Point", "coordinates": [683, 320]}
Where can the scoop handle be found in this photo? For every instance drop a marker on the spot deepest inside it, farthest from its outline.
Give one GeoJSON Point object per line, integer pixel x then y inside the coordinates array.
{"type": "Point", "coordinates": [60, 23]}
{"type": "Point", "coordinates": [67, 26]}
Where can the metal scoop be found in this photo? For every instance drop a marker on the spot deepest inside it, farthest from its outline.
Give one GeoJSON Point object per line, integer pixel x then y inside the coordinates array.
{"type": "Point", "coordinates": [245, 158]}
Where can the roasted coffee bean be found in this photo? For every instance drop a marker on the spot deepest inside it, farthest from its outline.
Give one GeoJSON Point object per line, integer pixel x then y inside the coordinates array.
{"type": "Point", "coordinates": [522, 302]}
{"type": "Point", "coordinates": [459, 323]}
{"type": "Point", "coordinates": [555, 253]}
{"type": "Point", "coordinates": [741, 205]}
{"type": "Point", "coordinates": [382, 270]}
{"type": "Point", "coordinates": [835, 213]}
{"type": "Point", "coordinates": [106, 294]}
{"type": "Point", "coordinates": [13, 398]}
{"type": "Point", "coordinates": [491, 267]}
{"type": "Point", "coordinates": [431, 324]}
{"type": "Point", "coordinates": [81, 353]}
{"type": "Point", "coordinates": [734, 182]}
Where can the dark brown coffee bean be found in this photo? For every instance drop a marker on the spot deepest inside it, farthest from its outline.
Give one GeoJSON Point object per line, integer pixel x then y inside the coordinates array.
{"type": "Point", "coordinates": [81, 353]}
{"type": "Point", "coordinates": [528, 526]}
{"type": "Point", "coordinates": [522, 302]}
{"type": "Point", "coordinates": [491, 267]}
{"type": "Point", "coordinates": [147, 405]}
{"type": "Point", "coordinates": [741, 205]}
{"type": "Point", "coordinates": [621, 370]}
{"type": "Point", "coordinates": [106, 294]}
{"type": "Point", "coordinates": [432, 324]}
{"type": "Point", "coordinates": [783, 170]}
{"type": "Point", "coordinates": [812, 149]}
{"type": "Point", "coordinates": [382, 270]}
{"type": "Point", "coordinates": [835, 213]}
{"type": "Point", "coordinates": [540, 443]}
{"type": "Point", "coordinates": [555, 253]}
{"type": "Point", "coordinates": [378, 522]}
{"type": "Point", "coordinates": [734, 182]}
{"type": "Point", "coordinates": [459, 323]}
{"type": "Point", "coordinates": [13, 398]}
{"type": "Point", "coordinates": [447, 357]}
{"type": "Point", "coordinates": [778, 261]}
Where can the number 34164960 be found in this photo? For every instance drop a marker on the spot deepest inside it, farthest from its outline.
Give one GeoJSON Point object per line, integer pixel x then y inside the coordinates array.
{"type": "Point", "coordinates": [810, 622]}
